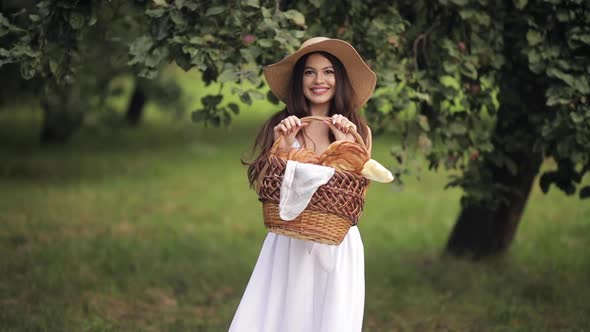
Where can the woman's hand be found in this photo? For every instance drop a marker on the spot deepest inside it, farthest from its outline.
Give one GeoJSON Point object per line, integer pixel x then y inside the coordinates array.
{"type": "Point", "coordinates": [341, 127]}
{"type": "Point", "coordinates": [289, 127]}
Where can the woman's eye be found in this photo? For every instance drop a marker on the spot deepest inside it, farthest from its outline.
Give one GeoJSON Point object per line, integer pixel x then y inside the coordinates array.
{"type": "Point", "coordinates": [329, 72]}
{"type": "Point", "coordinates": [308, 72]}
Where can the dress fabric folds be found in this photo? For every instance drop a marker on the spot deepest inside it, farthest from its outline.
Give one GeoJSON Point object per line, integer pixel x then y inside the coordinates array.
{"type": "Point", "coordinates": [302, 286]}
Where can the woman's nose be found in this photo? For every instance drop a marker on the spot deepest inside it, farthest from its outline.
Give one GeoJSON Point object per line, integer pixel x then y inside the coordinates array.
{"type": "Point", "coordinates": [319, 78]}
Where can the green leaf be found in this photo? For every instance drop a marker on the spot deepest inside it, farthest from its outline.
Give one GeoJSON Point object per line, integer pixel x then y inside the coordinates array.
{"type": "Point", "coordinates": [140, 47]}
{"type": "Point", "coordinates": [469, 70]}
{"type": "Point", "coordinates": [457, 128]}
{"type": "Point", "coordinates": [582, 37]}
{"type": "Point", "coordinates": [545, 181]}
{"type": "Point", "coordinates": [272, 98]}
{"type": "Point", "coordinates": [156, 57]}
{"type": "Point", "coordinates": [228, 75]}
{"type": "Point", "coordinates": [534, 37]}
{"type": "Point", "coordinates": [460, 2]}
{"type": "Point", "coordinates": [266, 13]}
{"type": "Point", "coordinates": [423, 123]}
{"type": "Point", "coordinates": [27, 71]}
{"type": "Point", "coordinates": [449, 82]}
{"type": "Point", "coordinates": [497, 60]}
{"type": "Point", "coordinates": [93, 19]}
{"type": "Point", "coordinates": [249, 54]}
{"type": "Point", "coordinates": [479, 17]}
{"type": "Point", "coordinates": [256, 94]}
{"type": "Point", "coordinates": [149, 73]}
{"type": "Point", "coordinates": [467, 13]}
{"type": "Point", "coordinates": [576, 118]}
{"type": "Point", "coordinates": [211, 101]}
{"type": "Point", "coordinates": [554, 100]}
{"type": "Point", "coordinates": [295, 16]}
{"type": "Point", "coordinates": [252, 3]}
{"type": "Point", "coordinates": [563, 15]}
{"type": "Point", "coordinates": [76, 20]}
{"type": "Point", "coordinates": [581, 84]}
{"type": "Point", "coordinates": [266, 43]}
{"type": "Point", "coordinates": [54, 67]}
{"type": "Point", "coordinates": [565, 77]}
{"type": "Point", "coordinates": [450, 66]}
{"type": "Point", "coordinates": [215, 10]}
{"type": "Point", "coordinates": [177, 18]}
{"type": "Point", "coordinates": [156, 12]}
{"type": "Point", "coordinates": [520, 4]}
{"type": "Point", "coordinates": [245, 98]}
{"type": "Point", "coordinates": [253, 78]}
{"type": "Point", "coordinates": [424, 97]}
{"type": "Point", "coordinates": [234, 108]}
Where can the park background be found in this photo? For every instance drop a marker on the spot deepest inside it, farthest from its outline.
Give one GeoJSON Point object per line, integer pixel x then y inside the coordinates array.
{"type": "Point", "coordinates": [118, 220]}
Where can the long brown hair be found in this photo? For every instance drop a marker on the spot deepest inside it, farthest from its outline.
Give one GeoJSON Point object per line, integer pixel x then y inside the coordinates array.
{"type": "Point", "coordinates": [298, 105]}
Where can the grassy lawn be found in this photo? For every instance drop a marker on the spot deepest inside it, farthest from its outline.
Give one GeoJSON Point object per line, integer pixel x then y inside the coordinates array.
{"type": "Point", "coordinates": [155, 229]}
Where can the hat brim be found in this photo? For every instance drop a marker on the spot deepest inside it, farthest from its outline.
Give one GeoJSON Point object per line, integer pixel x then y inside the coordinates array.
{"type": "Point", "coordinates": [362, 78]}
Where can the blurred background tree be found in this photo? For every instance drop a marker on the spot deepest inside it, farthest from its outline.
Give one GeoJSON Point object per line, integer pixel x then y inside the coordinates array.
{"type": "Point", "coordinates": [490, 88]}
{"type": "Point", "coordinates": [74, 51]}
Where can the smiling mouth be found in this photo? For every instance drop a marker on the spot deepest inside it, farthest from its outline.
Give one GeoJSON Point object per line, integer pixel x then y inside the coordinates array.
{"type": "Point", "coordinates": [319, 91]}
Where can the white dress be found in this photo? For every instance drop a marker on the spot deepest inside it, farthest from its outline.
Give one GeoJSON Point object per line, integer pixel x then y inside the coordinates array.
{"type": "Point", "coordinates": [302, 286]}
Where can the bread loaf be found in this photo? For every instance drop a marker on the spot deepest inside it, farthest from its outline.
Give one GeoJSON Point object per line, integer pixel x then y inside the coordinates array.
{"type": "Point", "coordinates": [303, 155]}
{"type": "Point", "coordinates": [373, 170]}
{"type": "Point", "coordinates": [344, 156]}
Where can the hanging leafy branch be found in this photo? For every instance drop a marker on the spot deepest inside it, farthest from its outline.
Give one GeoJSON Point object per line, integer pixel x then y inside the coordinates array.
{"type": "Point", "coordinates": [441, 65]}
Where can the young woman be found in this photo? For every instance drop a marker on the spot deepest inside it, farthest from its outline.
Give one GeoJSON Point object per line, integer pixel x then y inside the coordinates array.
{"type": "Point", "coordinates": [299, 285]}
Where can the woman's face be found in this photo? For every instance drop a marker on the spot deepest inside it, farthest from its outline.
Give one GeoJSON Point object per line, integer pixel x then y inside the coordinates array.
{"type": "Point", "coordinates": [319, 80]}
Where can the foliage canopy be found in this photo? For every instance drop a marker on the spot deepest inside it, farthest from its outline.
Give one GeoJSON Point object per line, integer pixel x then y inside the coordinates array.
{"type": "Point", "coordinates": [445, 67]}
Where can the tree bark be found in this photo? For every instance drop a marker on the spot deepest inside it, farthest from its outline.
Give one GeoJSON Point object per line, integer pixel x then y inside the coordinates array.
{"type": "Point", "coordinates": [136, 106]}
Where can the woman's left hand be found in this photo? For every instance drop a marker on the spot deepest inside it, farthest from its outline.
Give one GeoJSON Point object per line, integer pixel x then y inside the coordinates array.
{"type": "Point", "coordinates": [341, 127]}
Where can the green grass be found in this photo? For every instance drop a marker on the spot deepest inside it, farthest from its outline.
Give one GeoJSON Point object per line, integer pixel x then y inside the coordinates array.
{"type": "Point", "coordinates": [155, 229]}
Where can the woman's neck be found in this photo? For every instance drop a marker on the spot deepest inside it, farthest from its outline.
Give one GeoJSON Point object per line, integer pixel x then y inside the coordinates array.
{"type": "Point", "coordinates": [320, 110]}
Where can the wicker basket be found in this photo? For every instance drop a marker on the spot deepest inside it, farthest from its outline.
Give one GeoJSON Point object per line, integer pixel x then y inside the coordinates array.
{"type": "Point", "coordinates": [333, 209]}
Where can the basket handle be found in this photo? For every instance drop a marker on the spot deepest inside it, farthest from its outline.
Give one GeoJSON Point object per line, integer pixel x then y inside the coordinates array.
{"type": "Point", "coordinates": [310, 118]}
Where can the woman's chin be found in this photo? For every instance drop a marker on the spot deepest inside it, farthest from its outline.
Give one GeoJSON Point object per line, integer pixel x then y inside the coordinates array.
{"type": "Point", "coordinates": [315, 100]}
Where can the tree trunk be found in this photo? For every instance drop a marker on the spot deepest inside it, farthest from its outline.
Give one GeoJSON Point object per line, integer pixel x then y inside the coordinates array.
{"type": "Point", "coordinates": [136, 106]}
{"type": "Point", "coordinates": [482, 229]}
{"type": "Point", "coordinates": [60, 121]}
{"type": "Point", "coordinates": [487, 227]}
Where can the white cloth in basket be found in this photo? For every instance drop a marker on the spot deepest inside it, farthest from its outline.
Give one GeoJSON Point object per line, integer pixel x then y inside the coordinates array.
{"type": "Point", "coordinates": [300, 182]}
{"type": "Point", "coordinates": [302, 286]}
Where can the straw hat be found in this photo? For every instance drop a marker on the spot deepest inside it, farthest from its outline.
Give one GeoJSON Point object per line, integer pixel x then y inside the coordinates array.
{"type": "Point", "coordinates": [361, 77]}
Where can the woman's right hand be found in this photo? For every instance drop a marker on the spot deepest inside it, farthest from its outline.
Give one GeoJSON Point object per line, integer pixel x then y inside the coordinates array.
{"type": "Point", "coordinates": [288, 127]}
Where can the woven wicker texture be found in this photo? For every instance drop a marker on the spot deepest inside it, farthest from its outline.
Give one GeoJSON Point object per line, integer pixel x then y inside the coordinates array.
{"type": "Point", "coordinates": [333, 208]}
{"type": "Point", "coordinates": [309, 225]}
